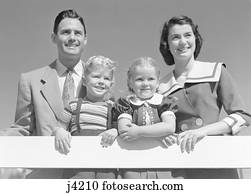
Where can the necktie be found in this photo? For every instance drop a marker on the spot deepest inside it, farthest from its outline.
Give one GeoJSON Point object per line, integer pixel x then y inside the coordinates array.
{"type": "Point", "coordinates": [68, 90]}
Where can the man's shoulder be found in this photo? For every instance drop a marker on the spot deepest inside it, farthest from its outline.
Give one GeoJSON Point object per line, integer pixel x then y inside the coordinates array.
{"type": "Point", "coordinates": [37, 73]}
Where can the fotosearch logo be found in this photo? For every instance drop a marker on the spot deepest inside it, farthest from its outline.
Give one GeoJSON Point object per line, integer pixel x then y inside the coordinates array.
{"type": "Point", "coordinates": [140, 186]}
{"type": "Point", "coordinates": [118, 186]}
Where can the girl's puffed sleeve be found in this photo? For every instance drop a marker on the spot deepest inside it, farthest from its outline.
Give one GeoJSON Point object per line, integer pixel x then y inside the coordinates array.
{"type": "Point", "coordinates": [168, 106]}
{"type": "Point", "coordinates": [231, 100]}
{"type": "Point", "coordinates": [122, 109]}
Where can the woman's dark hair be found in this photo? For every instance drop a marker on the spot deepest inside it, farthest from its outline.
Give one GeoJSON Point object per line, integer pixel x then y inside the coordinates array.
{"type": "Point", "coordinates": [164, 47]}
{"type": "Point", "coordinates": [70, 13]}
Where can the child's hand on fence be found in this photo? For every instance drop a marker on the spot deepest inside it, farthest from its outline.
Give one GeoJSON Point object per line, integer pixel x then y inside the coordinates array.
{"type": "Point", "coordinates": [62, 140]}
{"type": "Point", "coordinates": [169, 140]}
{"type": "Point", "coordinates": [130, 133]}
{"type": "Point", "coordinates": [108, 137]}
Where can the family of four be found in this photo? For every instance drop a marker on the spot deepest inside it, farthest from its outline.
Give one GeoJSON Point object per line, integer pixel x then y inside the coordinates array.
{"type": "Point", "coordinates": [73, 98]}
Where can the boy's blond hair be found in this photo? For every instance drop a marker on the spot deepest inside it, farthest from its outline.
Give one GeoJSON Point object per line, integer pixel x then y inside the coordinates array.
{"type": "Point", "coordinates": [99, 61]}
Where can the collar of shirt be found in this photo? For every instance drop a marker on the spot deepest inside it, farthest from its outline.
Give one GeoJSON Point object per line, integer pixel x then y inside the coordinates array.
{"type": "Point", "coordinates": [61, 69]}
{"type": "Point", "coordinates": [155, 100]}
{"type": "Point", "coordinates": [77, 75]}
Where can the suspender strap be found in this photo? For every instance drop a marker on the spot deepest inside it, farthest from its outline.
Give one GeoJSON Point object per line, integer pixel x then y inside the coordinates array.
{"type": "Point", "coordinates": [78, 112]}
{"type": "Point", "coordinates": [109, 116]}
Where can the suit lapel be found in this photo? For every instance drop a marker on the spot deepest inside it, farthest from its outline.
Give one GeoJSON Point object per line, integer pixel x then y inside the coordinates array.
{"type": "Point", "coordinates": [51, 92]}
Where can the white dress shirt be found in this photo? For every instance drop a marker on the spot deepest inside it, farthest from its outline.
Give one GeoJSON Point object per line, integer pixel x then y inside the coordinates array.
{"type": "Point", "coordinates": [77, 76]}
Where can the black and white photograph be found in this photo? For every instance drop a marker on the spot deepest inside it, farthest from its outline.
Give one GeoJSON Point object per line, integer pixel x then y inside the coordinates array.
{"type": "Point", "coordinates": [125, 95]}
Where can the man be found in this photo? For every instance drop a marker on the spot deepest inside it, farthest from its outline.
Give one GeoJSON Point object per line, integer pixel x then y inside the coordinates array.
{"type": "Point", "coordinates": [40, 100]}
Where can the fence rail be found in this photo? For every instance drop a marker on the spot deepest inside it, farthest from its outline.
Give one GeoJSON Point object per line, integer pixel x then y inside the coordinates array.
{"type": "Point", "coordinates": [86, 152]}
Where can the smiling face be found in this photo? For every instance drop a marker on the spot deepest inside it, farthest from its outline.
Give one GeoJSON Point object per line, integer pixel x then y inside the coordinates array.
{"type": "Point", "coordinates": [70, 39]}
{"type": "Point", "coordinates": [144, 81]}
{"type": "Point", "coordinates": [98, 83]}
{"type": "Point", "coordinates": [181, 41]}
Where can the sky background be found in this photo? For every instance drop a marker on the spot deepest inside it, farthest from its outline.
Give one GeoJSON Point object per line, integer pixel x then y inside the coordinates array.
{"type": "Point", "coordinates": [122, 30]}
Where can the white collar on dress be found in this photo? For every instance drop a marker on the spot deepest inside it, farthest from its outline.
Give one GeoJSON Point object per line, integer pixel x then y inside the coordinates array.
{"type": "Point", "coordinates": [200, 72]}
{"type": "Point", "coordinates": [155, 100]}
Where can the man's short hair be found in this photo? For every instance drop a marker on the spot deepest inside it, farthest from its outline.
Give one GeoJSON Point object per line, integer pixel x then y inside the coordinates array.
{"type": "Point", "coordinates": [70, 13]}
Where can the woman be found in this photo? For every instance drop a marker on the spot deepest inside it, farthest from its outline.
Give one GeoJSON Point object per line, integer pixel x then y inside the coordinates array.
{"type": "Point", "coordinates": [201, 89]}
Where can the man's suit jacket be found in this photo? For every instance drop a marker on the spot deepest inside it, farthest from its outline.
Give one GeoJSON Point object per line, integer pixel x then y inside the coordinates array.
{"type": "Point", "coordinates": [39, 107]}
{"type": "Point", "coordinates": [39, 103]}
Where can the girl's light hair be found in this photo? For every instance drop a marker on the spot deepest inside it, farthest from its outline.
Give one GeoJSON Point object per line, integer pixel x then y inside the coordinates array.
{"type": "Point", "coordinates": [143, 62]}
{"type": "Point", "coordinates": [99, 61]}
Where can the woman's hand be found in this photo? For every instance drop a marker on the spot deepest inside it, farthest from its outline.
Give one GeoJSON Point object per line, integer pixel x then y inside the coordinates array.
{"type": "Point", "coordinates": [188, 139]}
{"type": "Point", "coordinates": [62, 140]}
{"type": "Point", "coordinates": [108, 137]}
{"type": "Point", "coordinates": [130, 133]}
{"type": "Point", "coordinates": [169, 140]}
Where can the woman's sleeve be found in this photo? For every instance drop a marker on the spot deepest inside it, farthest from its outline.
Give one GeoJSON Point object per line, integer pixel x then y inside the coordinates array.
{"type": "Point", "coordinates": [168, 106]}
{"type": "Point", "coordinates": [230, 98]}
{"type": "Point", "coordinates": [122, 109]}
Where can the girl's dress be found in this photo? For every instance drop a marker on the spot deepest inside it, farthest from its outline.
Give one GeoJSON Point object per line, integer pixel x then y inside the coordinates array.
{"type": "Point", "coordinates": [145, 113]}
{"type": "Point", "coordinates": [89, 119]}
{"type": "Point", "coordinates": [207, 89]}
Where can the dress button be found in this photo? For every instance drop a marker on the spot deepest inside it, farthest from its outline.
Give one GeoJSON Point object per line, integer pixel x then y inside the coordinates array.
{"type": "Point", "coordinates": [184, 127]}
{"type": "Point", "coordinates": [199, 122]}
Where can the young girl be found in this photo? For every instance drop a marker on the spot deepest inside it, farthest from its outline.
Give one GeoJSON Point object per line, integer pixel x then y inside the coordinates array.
{"type": "Point", "coordinates": [145, 113]}
{"type": "Point", "coordinates": [90, 116]}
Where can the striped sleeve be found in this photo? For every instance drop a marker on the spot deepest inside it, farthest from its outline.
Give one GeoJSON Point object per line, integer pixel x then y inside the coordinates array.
{"type": "Point", "coordinates": [67, 115]}
{"type": "Point", "coordinates": [235, 122]}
